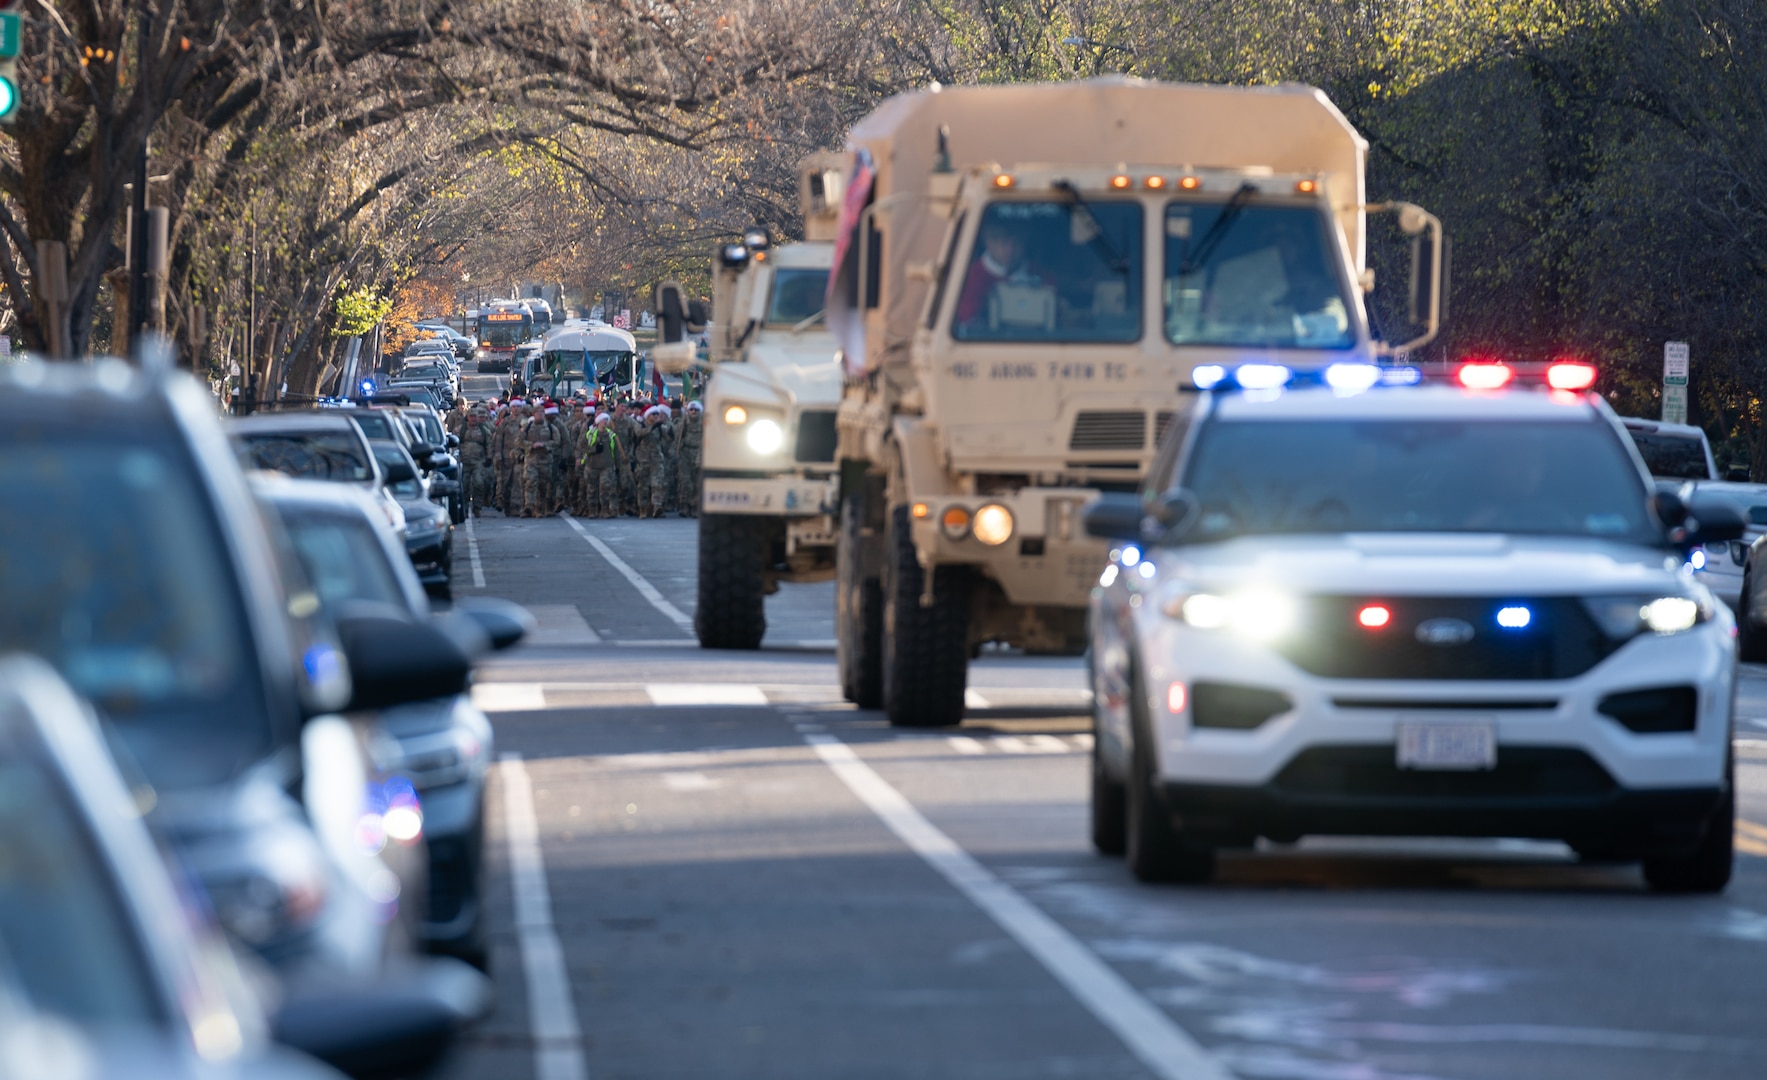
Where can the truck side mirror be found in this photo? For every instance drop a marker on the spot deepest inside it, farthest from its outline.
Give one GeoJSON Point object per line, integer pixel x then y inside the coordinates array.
{"type": "Point", "coordinates": [671, 309]}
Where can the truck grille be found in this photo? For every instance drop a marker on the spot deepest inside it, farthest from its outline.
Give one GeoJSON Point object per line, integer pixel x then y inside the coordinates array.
{"type": "Point", "coordinates": [1109, 431]}
{"type": "Point", "coordinates": [816, 436]}
{"type": "Point", "coordinates": [1560, 640]}
{"type": "Point", "coordinates": [1162, 423]}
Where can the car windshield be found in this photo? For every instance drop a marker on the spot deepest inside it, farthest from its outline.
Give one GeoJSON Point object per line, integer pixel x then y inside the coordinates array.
{"type": "Point", "coordinates": [1335, 476]}
{"type": "Point", "coordinates": [112, 568]}
{"type": "Point", "coordinates": [420, 393]}
{"type": "Point", "coordinates": [426, 424]}
{"type": "Point", "coordinates": [317, 455]}
{"type": "Point", "coordinates": [375, 424]}
{"type": "Point", "coordinates": [798, 293]}
{"type": "Point", "coordinates": [343, 558]}
{"type": "Point", "coordinates": [389, 455]}
{"type": "Point", "coordinates": [1671, 456]}
{"type": "Point", "coordinates": [1053, 271]}
{"type": "Point", "coordinates": [66, 936]}
{"type": "Point", "coordinates": [1262, 277]}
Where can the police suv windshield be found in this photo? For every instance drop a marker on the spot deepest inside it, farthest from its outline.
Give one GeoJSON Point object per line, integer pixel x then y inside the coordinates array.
{"type": "Point", "coordinates": [1253, 276]}
{"type": "Point", "coordinates": [1251, 477]}
{"type": "Point", "coordinates": [1052, 271]}
{"type": "Point", "coordinates": [317, 455]}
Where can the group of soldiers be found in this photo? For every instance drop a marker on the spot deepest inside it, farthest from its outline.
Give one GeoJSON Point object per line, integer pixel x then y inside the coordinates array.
{"type": "Point", "coordinates": [539, 458]}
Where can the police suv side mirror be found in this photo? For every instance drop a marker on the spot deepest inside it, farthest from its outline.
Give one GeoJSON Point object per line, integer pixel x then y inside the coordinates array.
{"type": "Point", "coordinates": [1714, 523]}
{"type": "Point", "coordinates": [1115, 516]}
{"type": "Point", "coordinates": [398, 472]}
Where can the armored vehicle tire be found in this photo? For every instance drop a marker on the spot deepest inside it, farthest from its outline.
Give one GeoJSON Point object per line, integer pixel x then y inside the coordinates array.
{"type": "Point", "coordinates": [1707, 868]}
{"type": "Point", "coordinates": [1157, 852]}
{"type": "Point", "coordinates": [732, 611]}
{"type": "Point", "coordinates": [925, 648]}
{"type": "Point", "coordinates": [858, 605]}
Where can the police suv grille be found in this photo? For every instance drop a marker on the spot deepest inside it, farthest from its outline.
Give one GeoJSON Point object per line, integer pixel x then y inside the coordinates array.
{"type": "Point", "coordinates": [816, 436]}
{"type": "Point", "coordinates": [1364, 774]}
{"type": "Point", "coordinates": [1560, 640]}
{"type": "Point", "coordinates": [1109, 431]}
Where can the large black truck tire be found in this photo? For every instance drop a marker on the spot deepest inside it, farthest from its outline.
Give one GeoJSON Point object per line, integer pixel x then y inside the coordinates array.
{"type": "Point", "coordinates": [732, 612]}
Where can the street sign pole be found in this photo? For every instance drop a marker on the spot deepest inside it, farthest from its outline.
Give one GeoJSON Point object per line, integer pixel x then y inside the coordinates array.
{"type": "Point", "coordinates": [1675, 382]}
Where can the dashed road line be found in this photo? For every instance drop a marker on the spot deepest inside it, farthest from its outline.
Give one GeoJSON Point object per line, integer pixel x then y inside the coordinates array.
{"type": "Point", "coordinates": [1148, 1033]}
{"type": "Point", "coordinates": [645, 588]}
{"type": "Point", "coordinates": [472, 553]}
{"type": "Point", "coordinates": [552, 1013]}
{"type": "Point", "coordinates": [963, 744]}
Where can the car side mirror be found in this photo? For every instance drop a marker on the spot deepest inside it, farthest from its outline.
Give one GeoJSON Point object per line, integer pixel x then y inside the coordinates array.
{"type": "Point", "coordinates": [442, 486]}
{"type": "Point", "coordinates": [398, 472]}
{"type": "Point", "coordinates": [1713, 523]}
{"type": "Point", "coordinates": [1115, 516]}
{"type": "Point", "coordinates": [453, 441]}
{"type": "Point", "coordinates": [506, 624]}
{"type": "Point", "coordinates": [396, 661]}
{"type": "Point", "coordinates": [421, 450]}
{"type": "Point", "coordinates": [400, 1024]}
{"type": "Point", "coordinates": [1671, 511]}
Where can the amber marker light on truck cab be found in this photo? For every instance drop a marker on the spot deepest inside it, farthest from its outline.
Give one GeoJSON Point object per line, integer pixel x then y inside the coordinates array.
{"type": "Point", "coordinates": [1119, 182]}
{"type": "Point", "coordinates": [1306, 187]}
{"type": "Point", "coordinates": [1154, 183]}
{"type": "Point", "coordinates": [1190, 183]}
{"type": "Point", "coordinates": [1003, 180]}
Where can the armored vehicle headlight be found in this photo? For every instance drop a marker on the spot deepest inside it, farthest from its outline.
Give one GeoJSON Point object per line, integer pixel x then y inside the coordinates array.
{"type": "Point", "coordinates": [993, 525]}
{"type": "Point", "coordinates": [954, 522]}
{"type": "Point", "coordinates": [765, 436]}
{"type": "Point", "coordinates": [736, 415]}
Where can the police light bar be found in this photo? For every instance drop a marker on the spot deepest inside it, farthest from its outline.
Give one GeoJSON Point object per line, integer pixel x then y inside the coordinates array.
{"type": "Point", "coordinates": [1356, 377]}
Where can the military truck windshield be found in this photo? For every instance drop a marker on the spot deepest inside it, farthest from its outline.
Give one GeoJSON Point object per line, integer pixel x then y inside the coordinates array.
{"type": "Point", "coordinates": [1335, 476]}
{"type": "Point", "coordinates": [1264, 279]}
{"type": "Point", "coordinates": [798, 293]}
{"type": "Point", "coordinates": [1054, 272]}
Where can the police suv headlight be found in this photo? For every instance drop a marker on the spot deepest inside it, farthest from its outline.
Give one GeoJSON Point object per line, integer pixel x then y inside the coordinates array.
{"type": "Point", "coordinates": [1624, 617]}
{"type": "Point", "coordinates": [765, 436]}
{"type": "Point", "coordinates": [1259, 614]}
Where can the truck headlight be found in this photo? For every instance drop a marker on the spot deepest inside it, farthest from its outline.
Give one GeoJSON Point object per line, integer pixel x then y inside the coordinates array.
{"type": "Point", "coordinates": [993, 525]}
{"type": "Point", "coordinates": [736, 416]}
{"type": "Point", "coordinates": [765, 436]}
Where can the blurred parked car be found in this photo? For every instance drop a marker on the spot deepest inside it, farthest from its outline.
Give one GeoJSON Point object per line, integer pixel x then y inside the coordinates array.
{"type": "Point", "coordinates": [1672, 451]}
{"type": "Point", "coordinates": [135, 561]}
{"type": "Point", "coordinates": [426, 424]}
{"type": "Point", "coordinates": [429, 531]}
{"type": "Point", "coordinates": [444, 745]}
{"type": "Point", "coordinates": [316, 446]}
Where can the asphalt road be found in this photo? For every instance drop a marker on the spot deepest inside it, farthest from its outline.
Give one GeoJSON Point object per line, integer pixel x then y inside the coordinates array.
{"type": "Point", "coordinates": [705, 864]}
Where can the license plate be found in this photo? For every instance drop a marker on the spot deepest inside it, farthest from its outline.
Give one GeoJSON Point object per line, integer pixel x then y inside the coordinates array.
{"type": "Point", "coordinates": [1464, 745]}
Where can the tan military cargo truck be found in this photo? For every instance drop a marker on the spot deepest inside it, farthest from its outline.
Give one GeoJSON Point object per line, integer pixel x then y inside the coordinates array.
{"type": "Point", "coordinates": [768, 471]}
{"type": "Point", "coordinates": [1026, 277]}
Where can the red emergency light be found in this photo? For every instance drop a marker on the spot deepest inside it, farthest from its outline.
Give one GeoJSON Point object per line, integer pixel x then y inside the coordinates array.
{"type": "Point", "coordinates": [1570, 375]}
{"type": "Point", "coordinates": [1485, 375]}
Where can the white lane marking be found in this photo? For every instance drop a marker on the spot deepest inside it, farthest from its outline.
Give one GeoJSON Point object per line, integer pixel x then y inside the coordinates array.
{"type": "Point", "coordinates": [1010, 744]}
{"type": "Point", "coordinates": [973, 700]}
{"type": "Point", "coordinates": [552, 1014]}
{"type": "Point", "coordinates": [645, 588]}
{"type": "Point", "coordinates": [561, 624]}
{"type": "Point", "coordinates": [1047, 744]}
{"type": "Point", "coordinates": [472, 552]}
{"type": "Point", "coordinates": [688, 781]}
{"type": "Point", "coordinates": [1151, 1035]}
{"type": "Point", "coordinates": [509, 697]}
{"type": "Point", "coordinates": [1084, 742]}
{"type": "Point", "coordinates": [705, 694]}
{"type": "Point", "coordinates": [963, 744]}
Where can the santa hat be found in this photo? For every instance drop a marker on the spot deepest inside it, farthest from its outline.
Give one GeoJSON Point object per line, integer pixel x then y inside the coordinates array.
{"type": "Point", "coordinates": [551, 409]}
{"type": "Point", "coordinates": [694, 406]}
{"type": "Point", "coordinates": [602, 418]}
{"type": "Point", "coordinates": [517, 401]}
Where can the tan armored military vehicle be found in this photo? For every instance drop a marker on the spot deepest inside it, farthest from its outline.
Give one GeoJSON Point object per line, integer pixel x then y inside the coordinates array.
{"type": "Point", "coordinates": [768, 460]}
{"type": "Point", "coordinates": [1026, 278]}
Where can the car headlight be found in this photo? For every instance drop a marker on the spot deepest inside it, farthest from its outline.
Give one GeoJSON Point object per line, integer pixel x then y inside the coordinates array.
{"type": "Point", "coordinates": [1260, 614]}
{"type": "Point", "coordinates": [765, 436]}
{"type": "Point", "coordinates": [1623, 617]}
{"type": "Point", "coordinates": [993, 525]}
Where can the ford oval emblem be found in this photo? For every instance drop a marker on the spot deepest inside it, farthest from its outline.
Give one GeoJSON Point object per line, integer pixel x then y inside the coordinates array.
{"type": "Point", "coordinates": [1445, 632]}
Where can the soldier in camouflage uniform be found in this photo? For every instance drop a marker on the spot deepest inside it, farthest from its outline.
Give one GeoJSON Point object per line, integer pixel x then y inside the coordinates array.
{"type": "Point", "coordinates": [601, 460]}
{"type": "Point", "coordinates": [582, 501]}
{"type": "Point", "coordinates": [507, 453]}
{"type": "Point", "coordinates": [626, 426]}
{"type": "Point", "coordinates": [687, 452]}
{"type": "Point", "coordinates": [651, 452]}
{"type": "Point", "coordinates": [536, 476]}
{"type": "Point", "coordinates": [475, 458]}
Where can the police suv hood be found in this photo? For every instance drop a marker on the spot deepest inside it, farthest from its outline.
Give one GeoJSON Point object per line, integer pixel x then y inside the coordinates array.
{"type": "Point", "coordinates": [1423, 564]}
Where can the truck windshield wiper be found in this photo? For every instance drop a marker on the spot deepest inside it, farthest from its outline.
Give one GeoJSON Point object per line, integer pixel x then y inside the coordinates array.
{"type": "Point", "coordinates": [1097, 241]}
{"type": "Point", "coordinates": [809, 321]}
{"type": "Point", "coordinates": [1205, 248]}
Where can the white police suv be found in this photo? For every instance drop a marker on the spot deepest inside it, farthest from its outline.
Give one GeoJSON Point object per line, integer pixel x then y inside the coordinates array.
{"type": "Point", "coordinates": [1373, 601]}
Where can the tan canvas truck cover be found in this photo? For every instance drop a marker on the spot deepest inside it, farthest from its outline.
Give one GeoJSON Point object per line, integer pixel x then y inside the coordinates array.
{"type": "Point", "coordinates": [1282, 129]}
